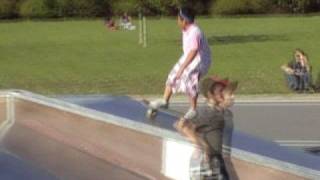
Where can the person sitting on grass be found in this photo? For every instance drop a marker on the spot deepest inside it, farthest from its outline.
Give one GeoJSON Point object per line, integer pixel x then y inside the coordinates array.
{"type": "Point", "coordinates": [206, 130]}
{"type": "Point", "coordinates": [126, 22]}
{"type": "Point", "coordinates": [298, 72]}
{"type": "Point", "coordinates": [110, 24]}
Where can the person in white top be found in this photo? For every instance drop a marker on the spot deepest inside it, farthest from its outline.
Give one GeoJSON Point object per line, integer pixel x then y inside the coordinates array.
{"type": "Point", "coordinates": [191, 67]}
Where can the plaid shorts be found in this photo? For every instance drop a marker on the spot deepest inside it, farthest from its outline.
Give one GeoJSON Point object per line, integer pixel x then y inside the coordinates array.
{"type": "Point", "coordinates": [212, 169]}
{"type": "Point", "coordinates": [189, 80]}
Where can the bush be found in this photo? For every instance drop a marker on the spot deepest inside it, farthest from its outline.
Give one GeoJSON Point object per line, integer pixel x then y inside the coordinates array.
{"type": "Point", "coordinates": [240, 6]}
{"type": "Point", "coordinates": [159, 7]}
{"type": "Point", "coordinates": [133, 7]}
{"type": "Point", "coordinates": [103, 7]}
{"type": "Point", "coordinates": [38, 8]}
{"type": "Point", "coordinates": [170, 7]}
{"type": "Point", "coordinates": [85, 8]}
{"type": "Point", "coordinates": [296, 6]}
{"type": "Point", "coordinates": [93, 8]}
{"type": "Point", "coordinates": [8, 9]}
{"type": "Point", "coordinates": [80, 8]}
{"type": "Point", "coordinates": [121, 6]}
{"type": "Point", "coordinates": [65, 8]}
{"type": "Point", "coordinates": [199, 6]}
{"type": "Point", "coordinates": [304, 6]}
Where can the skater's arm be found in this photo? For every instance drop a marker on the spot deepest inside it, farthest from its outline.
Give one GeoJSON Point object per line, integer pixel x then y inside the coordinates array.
{"type": "Point", "coordinates": [189, 59]}
{"type": "Point", "coordinates": [188, 130]}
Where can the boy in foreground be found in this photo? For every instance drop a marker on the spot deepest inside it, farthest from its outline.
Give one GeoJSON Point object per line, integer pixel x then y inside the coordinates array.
{"type": "Point", "coordinates": [206, 130]}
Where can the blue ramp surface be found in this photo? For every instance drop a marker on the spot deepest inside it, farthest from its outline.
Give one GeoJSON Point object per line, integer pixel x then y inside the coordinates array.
{"type": "Point", "coordinates": [126, 107]}
{"type": "Point", "coordinates": [14, 168]}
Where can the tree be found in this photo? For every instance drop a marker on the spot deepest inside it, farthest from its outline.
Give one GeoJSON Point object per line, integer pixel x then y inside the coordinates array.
{"type": "Point", "coordinates": [81, 8]}
{"type": "Point", "coordinates": [297, 6]}
{"type": "Point", "coordinates": [103, 7]}
{"type": "Point", "coordinates": [8, 8]}
{"type": "Point", "coordinates": [240, 6]}
{"type": "Point", "coordinates": [34, 8]}
{"type": "Point", "coordinates": [304, 6]}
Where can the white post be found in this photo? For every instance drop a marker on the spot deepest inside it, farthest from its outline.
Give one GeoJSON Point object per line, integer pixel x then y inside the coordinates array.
{"type": "Point", "coordinates": [140, 29]}
{"type": "Point", "coordinates": [144, 32]}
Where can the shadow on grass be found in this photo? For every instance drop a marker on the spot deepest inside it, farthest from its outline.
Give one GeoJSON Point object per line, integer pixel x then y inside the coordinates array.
{"type": "Point", "coordinates": [214, 40]}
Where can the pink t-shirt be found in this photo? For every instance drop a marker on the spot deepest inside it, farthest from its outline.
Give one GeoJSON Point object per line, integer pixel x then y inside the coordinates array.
{"type": "Point", "coordinates": [194, 39]}
{"type": "Point", "coordinates": [191, 38]}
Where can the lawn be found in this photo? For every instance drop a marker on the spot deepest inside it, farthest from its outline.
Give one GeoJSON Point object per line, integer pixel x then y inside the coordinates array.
{"type": "Point", "coordinates": [82, 56]}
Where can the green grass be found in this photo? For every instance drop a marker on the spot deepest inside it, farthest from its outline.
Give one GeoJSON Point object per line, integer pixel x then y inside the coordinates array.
{"type": "Point", "coordinates": [81, 57]}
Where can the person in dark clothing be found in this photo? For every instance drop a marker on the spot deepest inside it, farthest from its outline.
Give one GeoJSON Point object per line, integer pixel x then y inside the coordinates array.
{"type": "Point", "coordinates": [111, 24]}
{"type": "Point", "coordinates": [298, 72]}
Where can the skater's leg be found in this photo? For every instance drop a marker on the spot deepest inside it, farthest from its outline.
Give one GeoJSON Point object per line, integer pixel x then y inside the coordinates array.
{"type": "Point", "coordinates": [167, 94]}
{"type": "Point", "coordinates": [194, 101]}
{"type": "Point", "coordinates": [192, 112]}
{"type": "Point", "coordinates": [164, 102]}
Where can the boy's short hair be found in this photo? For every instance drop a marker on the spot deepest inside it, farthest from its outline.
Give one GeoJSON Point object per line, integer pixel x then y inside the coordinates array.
{"type": "Point", "coordinates": [187, 14]}
{"type": "Point", "coordinates": [211, 83]}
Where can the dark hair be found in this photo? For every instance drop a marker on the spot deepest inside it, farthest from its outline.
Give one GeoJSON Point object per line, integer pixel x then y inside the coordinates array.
{"type": "Point", "coordinates": [187, 14]}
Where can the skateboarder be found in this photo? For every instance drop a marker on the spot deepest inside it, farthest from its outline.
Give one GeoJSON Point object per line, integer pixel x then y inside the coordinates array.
{"type": "Point", "coordinates": [206, 130]}
{"type": "Point", "coordinates": [192, 65]}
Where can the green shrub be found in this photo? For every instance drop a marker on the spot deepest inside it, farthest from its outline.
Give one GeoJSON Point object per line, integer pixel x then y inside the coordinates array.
{"type": "Point", "coordinates": [240, 6]}
{"type": "Point", "coordinates": [103, 7]}
{"type": "Point", "coordinates": [121, 6]}
{"type": "Point", "coordinates": [85, 8]}
{"type": "Point", "coordinates": [295, 6]}
{"type": "Point", "coordinates": [93, 8]}
{"type": "Point", "coordinates": [159, 7]}
{"type": "Point", "coordinates": [80, 8]}
{"type": "Point", "coordinates": [304, 6]}
{"type": "Point", "coordinates": [8, 9]}
{"type": "Point", "coordinates": [35, 8]}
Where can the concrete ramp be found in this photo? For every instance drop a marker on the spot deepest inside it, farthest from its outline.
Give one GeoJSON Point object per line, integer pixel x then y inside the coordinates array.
{"type": "Point", "coordinates": [111, 139]}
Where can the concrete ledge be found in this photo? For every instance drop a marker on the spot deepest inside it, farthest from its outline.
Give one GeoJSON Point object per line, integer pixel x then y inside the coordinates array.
{"type": "Point", "coordinates": [254, 98]}
{"type": "Point", "coordinates": [244, 147]}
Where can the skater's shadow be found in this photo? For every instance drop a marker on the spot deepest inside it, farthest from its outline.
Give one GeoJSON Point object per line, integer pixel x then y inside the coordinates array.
{"type": "Point", "coordinates": [232, 39]}
{"type": "Point", "coordinates": [227, 143]}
